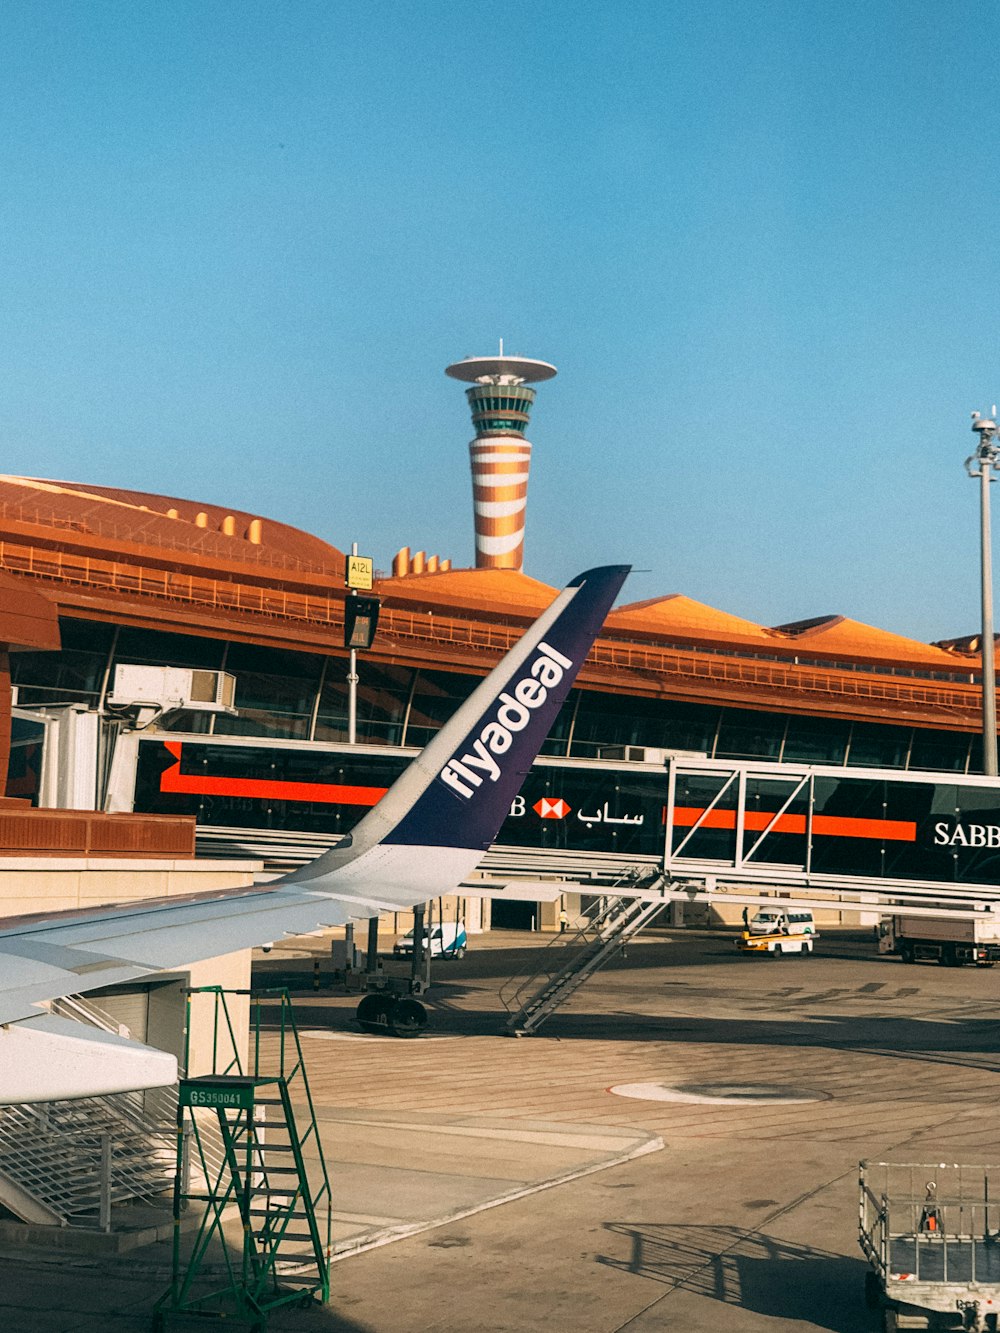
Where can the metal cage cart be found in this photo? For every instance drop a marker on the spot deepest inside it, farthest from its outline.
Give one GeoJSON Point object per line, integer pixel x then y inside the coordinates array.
{"type": "Point", "coordinates": [931, 1233]}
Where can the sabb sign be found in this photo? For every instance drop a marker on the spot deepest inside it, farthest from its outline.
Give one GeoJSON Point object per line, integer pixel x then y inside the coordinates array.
{"type": "Point", "coordinates": [360, 572]}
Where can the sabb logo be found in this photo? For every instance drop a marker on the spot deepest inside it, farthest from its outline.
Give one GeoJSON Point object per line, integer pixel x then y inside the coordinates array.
{"type": "Point", "coordinates": [465, 774]}
{"type": "Point", "coordinates": [966, 835]}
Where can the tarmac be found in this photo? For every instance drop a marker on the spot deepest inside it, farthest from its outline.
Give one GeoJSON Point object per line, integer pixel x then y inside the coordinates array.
{"type": "Point", "coordinates": [678, 1150]}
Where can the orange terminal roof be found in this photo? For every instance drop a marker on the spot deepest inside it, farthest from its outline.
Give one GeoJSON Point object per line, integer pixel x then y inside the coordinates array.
{"type": "Point", "coordinates": [136, 528]}
{"type": "Point", "coordinates": [677, 616]}
{"type": "Point", "coordinates": [143, 518]}
{"type": "Point", "coordinates": [502, 591]}
{"type": "Point", "coordinates": [839, 636]}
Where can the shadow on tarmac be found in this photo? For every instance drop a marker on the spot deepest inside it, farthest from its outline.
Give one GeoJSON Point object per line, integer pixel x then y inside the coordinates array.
{"type": "Point", "coordinates": [972, 1043]}
{"type": "Point", "coordinates": [117, 1295]}
{"type": "Point", "coordinates": [771, 1277]}
{"type": "Point", "coordinates": [795, 1007]}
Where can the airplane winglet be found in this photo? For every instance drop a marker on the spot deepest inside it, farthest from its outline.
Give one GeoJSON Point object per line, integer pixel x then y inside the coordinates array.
{"type": "Point", "coordinates": [458, 791]}
{"type": "Point", "coordinates": [424, 838]}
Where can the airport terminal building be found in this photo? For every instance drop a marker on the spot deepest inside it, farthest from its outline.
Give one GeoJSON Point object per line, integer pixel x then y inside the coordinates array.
{"type": "Point", "coordinates": [176, 718]}
{"type": "Point", "coordinates": [201, 671]}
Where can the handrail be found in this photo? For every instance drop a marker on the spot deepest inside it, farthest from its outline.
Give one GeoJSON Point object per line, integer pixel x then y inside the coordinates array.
{"type": "Point", "coordinates": [78, 1171]}
{"type": "Point", "coordinates": [548, 963]}
{"type": "Point", "coordinates": [288, 1070]}
{"type": "Point", "coordinates": [487, 642]}
{"type": "Point", "coordinates": [133, 531]}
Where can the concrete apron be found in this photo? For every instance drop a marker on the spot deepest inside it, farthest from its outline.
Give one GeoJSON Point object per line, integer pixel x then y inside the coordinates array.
{"type": "Point", "coordinates": [431, 1170]}
{"type": "Point", "coordinates": [392, 1175]}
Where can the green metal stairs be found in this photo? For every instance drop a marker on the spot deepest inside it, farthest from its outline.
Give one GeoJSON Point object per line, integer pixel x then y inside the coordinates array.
{"type": "Point", "coordinates": [262, 1239]}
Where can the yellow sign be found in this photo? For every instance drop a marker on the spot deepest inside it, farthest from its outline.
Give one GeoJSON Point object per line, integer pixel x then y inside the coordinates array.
{"type": "Point", "coordinates": [360, 572]}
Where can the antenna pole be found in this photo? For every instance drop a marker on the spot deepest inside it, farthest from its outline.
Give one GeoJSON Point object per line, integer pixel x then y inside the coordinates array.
{"type": "Point", "coordinates": [987, 455]}
{"type": "Point", "coordinates": [352, 681]}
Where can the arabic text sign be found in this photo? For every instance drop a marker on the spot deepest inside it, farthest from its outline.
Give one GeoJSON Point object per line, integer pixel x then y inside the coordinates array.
{"type": "Point", "coordinates": [360, 572]}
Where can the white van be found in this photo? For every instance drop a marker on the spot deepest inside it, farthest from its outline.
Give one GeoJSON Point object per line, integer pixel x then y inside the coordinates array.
{"type": "Point", "coordinates": [777, 931]}
{"type": "Point", "coordinates": [447, 940]}
{"type": "Point", "coordinates": [776, 921]}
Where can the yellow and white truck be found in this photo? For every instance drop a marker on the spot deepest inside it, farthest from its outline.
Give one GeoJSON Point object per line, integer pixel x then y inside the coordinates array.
{"type": "Point", "coordinates": [778, 931]}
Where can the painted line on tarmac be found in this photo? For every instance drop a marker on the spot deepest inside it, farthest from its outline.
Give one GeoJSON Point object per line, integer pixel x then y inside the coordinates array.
{"type": "Point", "coordinates": [374, 1036]}
{"type": "Point", "coordinates": [721, 1094]}
{"type": "Point", "coordinates": [649, 1145]}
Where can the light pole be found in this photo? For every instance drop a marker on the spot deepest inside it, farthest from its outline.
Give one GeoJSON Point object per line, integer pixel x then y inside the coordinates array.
{"type": "Point", "coordinates": [987, 456]}
{"type": "Point", "coordinates": [360, 622]}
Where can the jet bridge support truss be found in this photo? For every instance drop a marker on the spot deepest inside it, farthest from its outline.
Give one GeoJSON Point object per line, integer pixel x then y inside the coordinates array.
{"type": "Point", "coordinates": [860, 838]}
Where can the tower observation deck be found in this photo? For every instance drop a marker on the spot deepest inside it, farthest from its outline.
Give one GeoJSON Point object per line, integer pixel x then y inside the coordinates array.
{"type": "Point", "coordinates": [500, 400]}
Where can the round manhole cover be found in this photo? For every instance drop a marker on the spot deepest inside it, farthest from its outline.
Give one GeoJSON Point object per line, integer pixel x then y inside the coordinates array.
{"type": "Point", "coordinates": [720, 1094]}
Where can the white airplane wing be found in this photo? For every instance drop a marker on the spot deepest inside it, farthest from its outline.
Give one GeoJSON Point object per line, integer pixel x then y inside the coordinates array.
{"type": "Point", "coordinates": [423, 838]}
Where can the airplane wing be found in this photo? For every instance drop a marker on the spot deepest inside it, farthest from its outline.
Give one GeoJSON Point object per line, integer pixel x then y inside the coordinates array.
{"type": "Point", "coordinates": [423, 838]}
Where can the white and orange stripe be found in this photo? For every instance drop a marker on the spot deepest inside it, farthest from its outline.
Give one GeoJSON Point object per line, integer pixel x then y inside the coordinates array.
{"type": "Point", "coordinates": [500, 466]}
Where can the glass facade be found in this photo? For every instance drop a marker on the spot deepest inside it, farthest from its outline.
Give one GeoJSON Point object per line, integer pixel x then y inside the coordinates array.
{"type": "Point", "coordinates": [500, 408]}
{"type": "Point", "coordinates": [303, 696]}
{"type": "Point", "coordinates": [275, 692]}
{"type": "Point", "coordinates": [500, 426]}
{"type": "Point", "coordinates": [73, 675]}
{"type": "Point", "coordinates": [872, 827]}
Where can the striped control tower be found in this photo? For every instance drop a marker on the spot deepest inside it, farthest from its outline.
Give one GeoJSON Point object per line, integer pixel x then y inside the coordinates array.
{"type": "Point", "coordinates": [500, 400]}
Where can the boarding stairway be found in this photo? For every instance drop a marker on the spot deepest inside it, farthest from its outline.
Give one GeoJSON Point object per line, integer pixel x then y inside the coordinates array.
{"type": "Point", "coordinates": [69, 1163]}
{"type": "Point", "coordinates": [572, 957]}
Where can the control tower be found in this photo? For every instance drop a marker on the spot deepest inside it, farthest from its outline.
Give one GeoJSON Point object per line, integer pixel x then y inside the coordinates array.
{"type": "Point", "coordinates": [501, 401]}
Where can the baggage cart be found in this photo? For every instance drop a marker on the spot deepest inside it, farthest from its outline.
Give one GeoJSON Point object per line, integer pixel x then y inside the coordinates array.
{"type": "Point", "coordinates": [932, 1236]}
{"type": "Point", "coordinates": [779, 944]}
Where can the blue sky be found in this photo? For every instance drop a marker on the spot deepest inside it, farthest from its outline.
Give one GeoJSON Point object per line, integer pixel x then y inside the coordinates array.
{"type": "Point", "coordinates": [239, 242]}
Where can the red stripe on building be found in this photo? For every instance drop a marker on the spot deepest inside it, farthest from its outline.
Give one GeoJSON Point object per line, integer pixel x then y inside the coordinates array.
{"type": "Point", "coordinates": [173, 781]}
{"type": "Point", "coordinates": [830, 826]}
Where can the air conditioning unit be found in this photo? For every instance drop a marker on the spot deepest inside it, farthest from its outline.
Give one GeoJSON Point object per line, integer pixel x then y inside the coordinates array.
{"type": "Point", "coordinates": [169, 688]}
{"type": "Point", "coordinates": [633, 754]}
{"type": "Point", "coordinates": [645, 754]}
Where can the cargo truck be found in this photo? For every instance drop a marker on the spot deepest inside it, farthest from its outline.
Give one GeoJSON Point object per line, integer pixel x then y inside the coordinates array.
{"type": "Point", "coordinates": [946, 940]}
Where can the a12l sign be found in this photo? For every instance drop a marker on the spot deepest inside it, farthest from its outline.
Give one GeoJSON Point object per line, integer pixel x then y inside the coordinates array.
{"type": "Point", "coordinates": [361, 572]}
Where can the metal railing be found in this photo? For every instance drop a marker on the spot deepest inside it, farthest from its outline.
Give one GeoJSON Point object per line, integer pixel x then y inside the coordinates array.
{"type": "Point", "coordinates": [78, 1159]}
{"type": "Point", "coordinates": [486, 642]}
{"type": "Point", "coordinates": [154, 530]}
{"type": "Point", "coordinates": [931, 1223]}
{"type": "Point", "coordinates": [72, 1162]}
{"type": "Point", "coordinates": [570, 958]}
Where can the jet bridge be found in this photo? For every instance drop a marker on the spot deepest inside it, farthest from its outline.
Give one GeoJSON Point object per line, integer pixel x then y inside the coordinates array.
{"type": "Point", "coordinates": [857, 838]}
{"type": "Point", "coordinates": [851, 839]}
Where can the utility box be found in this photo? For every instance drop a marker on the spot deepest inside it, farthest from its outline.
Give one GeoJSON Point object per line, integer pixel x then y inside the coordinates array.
{"type": "Point", "coordinates": [173, 687]}
{"type": "Point", "coordinates": [645, 754]}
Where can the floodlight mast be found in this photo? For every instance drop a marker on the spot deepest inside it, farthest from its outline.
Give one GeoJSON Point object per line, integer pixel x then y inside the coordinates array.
{"type": "Point", "coordinates": [987, 456]}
